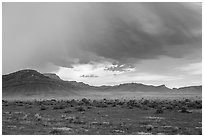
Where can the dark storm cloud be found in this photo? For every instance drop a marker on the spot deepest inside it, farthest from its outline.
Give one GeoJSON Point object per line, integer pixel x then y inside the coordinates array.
{"type": "Point", "coordinates": [178, 34]}
{"type": "Point", "coordinates": [39, 35]}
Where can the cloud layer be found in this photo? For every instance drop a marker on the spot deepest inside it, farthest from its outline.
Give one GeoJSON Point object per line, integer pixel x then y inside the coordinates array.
{"type": "Point", "coordinates": [46, 36]}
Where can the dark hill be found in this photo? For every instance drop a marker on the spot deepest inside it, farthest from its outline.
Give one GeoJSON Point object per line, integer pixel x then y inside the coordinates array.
{"type": "Point", "coordinates": [190, 88]}
{"type": "Point", "coordinates": [31, 82]}
{"type": "Point", "coordinates": [134, 87]}
{"type": "Point", "coordinates": [79, 85]}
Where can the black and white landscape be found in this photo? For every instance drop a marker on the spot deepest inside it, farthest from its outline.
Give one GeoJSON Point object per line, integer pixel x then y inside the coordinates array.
{"type": "Point", "coordinates": [102, 68]}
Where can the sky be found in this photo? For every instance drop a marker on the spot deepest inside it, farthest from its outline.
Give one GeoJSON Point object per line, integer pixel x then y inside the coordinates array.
{"type": "Point", "coordinates": [105, 43]}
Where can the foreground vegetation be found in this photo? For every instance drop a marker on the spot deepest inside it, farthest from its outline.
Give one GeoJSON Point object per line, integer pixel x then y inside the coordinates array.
{"type": "Point", "coordinates": [102, 117]}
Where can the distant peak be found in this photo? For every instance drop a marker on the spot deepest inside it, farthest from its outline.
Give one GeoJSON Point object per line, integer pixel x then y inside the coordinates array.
{"type": "Point", "coordinates": [24, 75]}
{"type": "Point", "coordinates": [26, 72]}
{"type": "Point", "coordinates": [162, 86]}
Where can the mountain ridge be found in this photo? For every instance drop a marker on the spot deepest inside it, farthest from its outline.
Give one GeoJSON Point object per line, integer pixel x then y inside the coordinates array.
{"type": "Point", "coordinates": [105, 86]}
{"type": "Point", "coordinates": [31, 82]}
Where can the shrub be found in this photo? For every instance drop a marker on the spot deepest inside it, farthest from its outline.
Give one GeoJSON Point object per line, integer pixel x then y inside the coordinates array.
{"type": "Point", "coordinates": [77, 121]}
{"type": "Point", "coordinates": [130, 107]}
{"type": "Point", "coordinates": [80, 108]}
{"type": "Point", "coordinates": [73, 103]}
{"type": "Point", "coordinates": [144, 107]}
{"type": "Point", "coordinates": [176, 107]}
{"type": "Point", "coordinates": [187, 100]}
{"type": "Point", "coordinates": [153, 105]}
{"type": "Point", "coordinates": [184, 110]}
{"type": "Point", "coordinates": [80, 103]}
{"type": "Point", "coordinates": [120, 103]}
{"type": "Point", "coordinates": [113, 105]}
{"type": "Point", "coordinates": [146, 102]}
{"type": "Point", "coordinates": [149, 127]}
{"type": "Point", "coordinates": [4, 101]}
{"type": "Point", "coordinates": [95, 102]}
{"type": "Point", "coordinates": [174, 130]}
{"type": "Point", "coordinates": [48, 102]}
{"type": "Point", "coordinates": [198, 104]}
{"type": "Point", "coordinates": [102, 105]}
{"type": "Point", "coordinates": [169, 107]}
{"type": "Point", "coordinates": [86, 101]}
{"type": "Point", "coordinates": [53, 100]}
{"type": "Point", "coordinates": [43, 108]}
{"type": "Point", "coordinates": [38, 117]}
{"type": "Point", "coordinates": [68, 111]}
{"type": "Point", "coordinates": [89, 107]}
{"type": "Point", "coordinates": [59, 107]}
{"type": "Point", "coordinates": [56, 132]}
{"type": "Point", "coordinates": [159, 111]}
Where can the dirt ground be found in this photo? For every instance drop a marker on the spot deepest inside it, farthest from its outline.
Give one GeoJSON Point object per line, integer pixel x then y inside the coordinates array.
{"type": "Point", "coordinates": [102, 117]}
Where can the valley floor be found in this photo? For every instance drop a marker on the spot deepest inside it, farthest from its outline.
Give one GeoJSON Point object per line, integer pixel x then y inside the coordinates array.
{"type": "Point", "coordinates": [99, 117]}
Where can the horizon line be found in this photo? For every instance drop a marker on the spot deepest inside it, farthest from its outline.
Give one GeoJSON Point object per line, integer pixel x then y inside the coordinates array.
{"type": "Point", "coordinates": [103, 84]}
